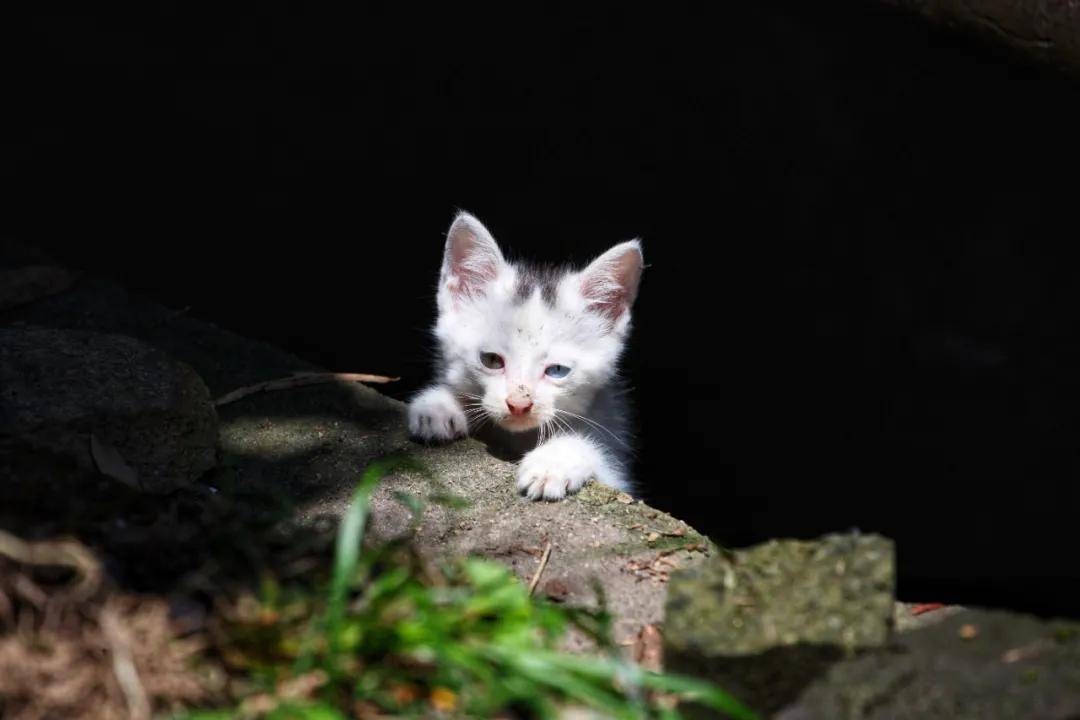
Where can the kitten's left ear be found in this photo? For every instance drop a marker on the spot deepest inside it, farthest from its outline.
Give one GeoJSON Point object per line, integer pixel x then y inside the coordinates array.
{"type": "Point", "coordinates": [610, 282]}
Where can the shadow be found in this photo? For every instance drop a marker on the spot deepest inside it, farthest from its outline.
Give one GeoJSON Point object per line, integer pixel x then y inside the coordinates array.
{"type": "Point", "coordinates": [225, 530]}
{"type": "Point", "coordinates": [255, 513]}
{"type": "Point", "coordinates": [503, 444]}
{"type": "Point", "coordinates": [766, 682]}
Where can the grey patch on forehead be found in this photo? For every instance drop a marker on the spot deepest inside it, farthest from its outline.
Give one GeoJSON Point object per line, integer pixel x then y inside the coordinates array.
{"type": "Point", "coordinates": [543, 277]}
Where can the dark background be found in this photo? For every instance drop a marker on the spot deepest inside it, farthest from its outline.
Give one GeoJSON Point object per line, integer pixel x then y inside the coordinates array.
{"type": "Point", "coordinates": [861, 302]}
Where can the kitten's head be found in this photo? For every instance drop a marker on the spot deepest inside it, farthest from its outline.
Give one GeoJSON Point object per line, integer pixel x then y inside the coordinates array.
{"type": "Point", "coordinates": [523, 344]}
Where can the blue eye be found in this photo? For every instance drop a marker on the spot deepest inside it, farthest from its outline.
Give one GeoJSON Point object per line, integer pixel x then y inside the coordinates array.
{"type": "Point", "coordinates": [557, 371]}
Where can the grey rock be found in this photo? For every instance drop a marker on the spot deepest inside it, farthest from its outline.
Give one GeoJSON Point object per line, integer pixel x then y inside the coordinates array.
{"type": "Point", "coordinates": [311, 444]}
{"type": "Point", "coordinates": [766, 621]}
{"type": "Point", "coordinates": [57, 387]}
{"type": "Point", "coordinates": [224, 360]}
{"type": "Point", "coordinates": [976, 665]}
{"type": "Point", "coordinates": [25, 284]}
{"type": "Point", "coordinates": [28, 274]}
{"type": "Point", "coordinates": [314, 442]}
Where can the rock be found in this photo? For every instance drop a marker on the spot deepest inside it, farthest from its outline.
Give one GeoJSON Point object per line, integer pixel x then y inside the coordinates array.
{"type": "Point", "coordinates": [28, 274]}
{"type": "Point", "coordinates": [224, 360]}
{"type": "Point", "coordinates": [765, 621]}
{"type": "Point", "coordinates": [310, 445]}
{"type": "Point", "coordinates": [314, 442]}
{"type": "Point", "coordinates": [26, 284]}
{"type": "Point", "coordinates": [144, 409]}
{"type": "Point", "coordinates": [974, 664]}
{"type": "Point", "coordinates": [597, 542]}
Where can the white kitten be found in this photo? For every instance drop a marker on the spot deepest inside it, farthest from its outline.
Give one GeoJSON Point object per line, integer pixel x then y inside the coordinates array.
{"type": "Point", "coordinates": [528, 358]}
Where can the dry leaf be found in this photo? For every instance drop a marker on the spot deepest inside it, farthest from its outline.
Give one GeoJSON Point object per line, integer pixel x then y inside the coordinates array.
{"type": "Point", "coordinates": [649, 648]}
{"type": "Point", "coordinates": [111, 463]}
{"type": "Point", "coordinates": [443, 699]}
{"type": "Point", "coordinates": [624, 499]}
{"type": "Point", "coordinates": [556, 590]}
{"type": "Point", "coordinates": [653, 569]}
{"type": "Point", "coordinates": [404, 693]}
{"type": "Point", "coordinates": [367, 710]}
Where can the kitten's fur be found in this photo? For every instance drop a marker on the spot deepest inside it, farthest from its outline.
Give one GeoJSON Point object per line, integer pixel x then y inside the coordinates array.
{"type": "Point", "coordinates": [576, 427]}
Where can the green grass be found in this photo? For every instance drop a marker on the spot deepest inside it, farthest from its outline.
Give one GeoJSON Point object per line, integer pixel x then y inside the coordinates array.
{"type": "Point", "coordinates": [395, 634]}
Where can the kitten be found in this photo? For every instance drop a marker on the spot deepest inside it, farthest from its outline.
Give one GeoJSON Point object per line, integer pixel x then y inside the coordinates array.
{"type": "Point", "coordinates": [532, 353]}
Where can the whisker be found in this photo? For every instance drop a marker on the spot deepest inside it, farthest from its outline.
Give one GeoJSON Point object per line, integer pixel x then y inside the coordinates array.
{"type": "Point", "coordinates": [563, 424]}
{"type": "Point", "coordinates": [469, 395]}
{"type": "Point", "coordinates": [595, 424]}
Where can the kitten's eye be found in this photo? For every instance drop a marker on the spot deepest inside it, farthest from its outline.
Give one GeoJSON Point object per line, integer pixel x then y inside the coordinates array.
{"type": "Point", "coordinates": [492, 361]}
{"type": "Point", "coordinates": [557, 371]}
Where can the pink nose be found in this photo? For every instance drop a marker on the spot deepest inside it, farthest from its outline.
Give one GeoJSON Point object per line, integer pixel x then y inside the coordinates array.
{"type": "Point", "coordinates": [519, 407]}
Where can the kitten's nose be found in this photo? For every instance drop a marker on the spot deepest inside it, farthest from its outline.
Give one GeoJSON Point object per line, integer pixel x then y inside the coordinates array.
{"type": "Point", "coordinates": [518, 407]}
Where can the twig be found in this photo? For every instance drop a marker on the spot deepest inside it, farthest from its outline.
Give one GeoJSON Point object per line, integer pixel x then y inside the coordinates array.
{"type": "Point", "coordinates": [298, 380]}
{"type": "Point", "coordinates": [540, 568]}
{"type": "Point", "coordinates": [123, 665]}
{"type": "Point", "coordinates": [65, 553]}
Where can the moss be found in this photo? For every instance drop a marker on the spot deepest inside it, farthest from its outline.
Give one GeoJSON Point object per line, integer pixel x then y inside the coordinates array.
{"type": "Point", "coordinates": [768, 620]}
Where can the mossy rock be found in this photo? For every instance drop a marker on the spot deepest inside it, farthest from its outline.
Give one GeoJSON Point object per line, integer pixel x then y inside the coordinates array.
{"type": "Point", "coordinates": [765, 621]}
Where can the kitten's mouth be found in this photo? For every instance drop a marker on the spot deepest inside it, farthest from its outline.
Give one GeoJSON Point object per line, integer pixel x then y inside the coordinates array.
{"type": "Point", "coordinates": [519, 423]}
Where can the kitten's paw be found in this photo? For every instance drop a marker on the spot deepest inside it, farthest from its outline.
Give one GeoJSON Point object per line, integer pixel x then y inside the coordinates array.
{"type": "Point", "coordinates": [553, 471]}
{"type": "Point", "coordinates": [435, 416]}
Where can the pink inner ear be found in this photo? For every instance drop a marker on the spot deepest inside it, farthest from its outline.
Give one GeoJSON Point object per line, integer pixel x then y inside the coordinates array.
{"type": "Point", "coordinates": [472, 263]}
{"type": "Point", "coordinates": [472, 259]}
{"type": "Point", "coordinates": [610, 287]}
{"type": "Point", "coordinates": [604, 295]}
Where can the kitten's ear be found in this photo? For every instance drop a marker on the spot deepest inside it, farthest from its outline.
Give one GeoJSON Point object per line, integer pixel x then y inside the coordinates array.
{"type": "Point", "coordinates": [471, 259]}
{"type": "Point", "coordinates": [610, 283]}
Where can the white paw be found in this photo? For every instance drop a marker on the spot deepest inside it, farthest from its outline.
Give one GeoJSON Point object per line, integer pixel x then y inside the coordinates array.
{"type": "Point", "coordinates": [435, 416]}
{"type": "Point", "coordinates": [554, 470]}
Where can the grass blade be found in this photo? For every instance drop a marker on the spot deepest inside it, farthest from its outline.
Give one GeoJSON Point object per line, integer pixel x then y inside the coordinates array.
{"type": "Point", "coordinates": [350, 536]}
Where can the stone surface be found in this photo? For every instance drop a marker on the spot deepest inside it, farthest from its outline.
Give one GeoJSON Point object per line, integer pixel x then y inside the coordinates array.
{"type": "Point", "coordinates": [596, 536]}
{"type": "Point", "coordinates": [28, 274]}
{"type": "Point", "coordinates": [311, 444]}
{"type": "Point", "coordinates": [765, 621]}
{"type": "Point", "coordinates": [224, 360]}
{"type": "Point", "coordinates": [26, 284]}
{"type": "Point", "coordinates": [57, 387]}
{"type": "Point", "coordinates": [974, 665]}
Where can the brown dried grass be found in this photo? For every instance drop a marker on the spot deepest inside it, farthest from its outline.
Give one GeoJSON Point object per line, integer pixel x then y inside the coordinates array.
{"type": "Point", "coordinates": [72, 647]}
